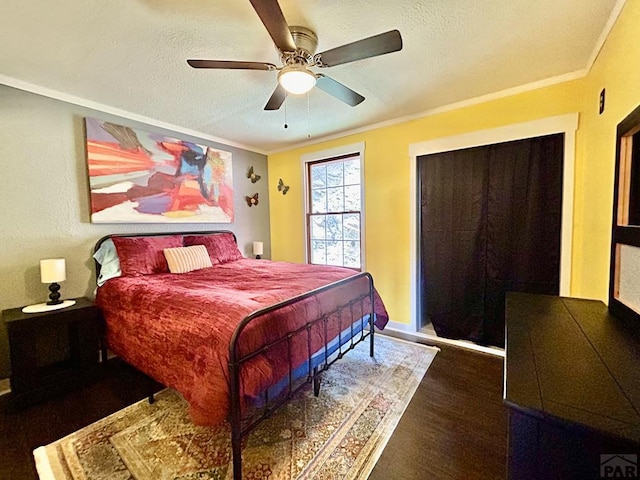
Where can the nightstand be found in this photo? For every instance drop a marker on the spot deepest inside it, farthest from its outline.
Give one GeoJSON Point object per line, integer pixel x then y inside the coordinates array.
{"type": "Point", "coordinates": [52, 352]}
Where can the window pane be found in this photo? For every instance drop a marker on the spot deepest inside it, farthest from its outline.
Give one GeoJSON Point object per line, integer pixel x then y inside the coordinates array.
{"type": "Point", "coordinates": [318, 176]}
{"type": "Point", "coordinates": [334, 227]}
{"type": "Point", "coordinates": [335, 199]}
{"type": "Point", "coordinates": [352, 198]}
{"type": "Point", "coordinates": [319, 201]}
{"type": "Point", "coordinates": [351, 227]}
{"type": "Point", "coordinates": [629, 276]}
{"type": "Point", "coordinates": [318, 227]}
{"type": "Point", "coordinates": [352, 172]}
{"type": "Point", "coordinates": [334, 234]}
{"type": "Point", "coordinates": [334, 253]}
{"type": "Point", "coordinates": [318, 252]}
{"type": "Point", "coordinates": [334, 174]}
{"type": "Point", "coordinates": [352, 254]}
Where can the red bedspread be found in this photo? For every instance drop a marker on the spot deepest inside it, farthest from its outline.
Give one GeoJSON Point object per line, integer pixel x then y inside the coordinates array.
{"type": "Point", "coordinates": [177, 327]}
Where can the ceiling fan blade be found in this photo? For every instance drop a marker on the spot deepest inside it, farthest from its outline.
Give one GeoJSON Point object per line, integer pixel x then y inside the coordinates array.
{"type": "Point", "coordinates": [231, 64]}
{"type": "Point", "coordinates": [338, 90]}
{"type": "Point", "coordinates": [273, 19]}
{"type": "Point", "coordinates": [368, 47]}
{"type": "Point", "coordinates": [277, 98]}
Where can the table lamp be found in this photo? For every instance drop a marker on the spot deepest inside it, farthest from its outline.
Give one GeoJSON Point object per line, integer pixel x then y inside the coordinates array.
{"type": "Point", "coordinates": [52, 271]}
{"type": "Point", "coordinates": [257, 249]}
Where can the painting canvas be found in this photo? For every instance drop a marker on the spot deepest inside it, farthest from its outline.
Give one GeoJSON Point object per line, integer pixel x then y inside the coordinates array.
{"type": "Point", "coordinates": [142, 177]}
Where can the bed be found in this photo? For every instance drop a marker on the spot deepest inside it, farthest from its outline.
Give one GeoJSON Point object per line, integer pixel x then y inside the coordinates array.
{"type": "Point", "coordinates": [236, 337]}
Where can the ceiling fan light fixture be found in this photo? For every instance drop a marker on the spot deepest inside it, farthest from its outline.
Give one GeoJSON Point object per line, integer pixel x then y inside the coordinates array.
{"type": "Point", "coordinates": [296, 79]}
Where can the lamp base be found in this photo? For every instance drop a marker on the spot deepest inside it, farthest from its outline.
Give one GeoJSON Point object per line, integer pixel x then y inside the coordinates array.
{"type": "Point", "coordinates": [258, 257]}
{"type": "Point", "coordinates": [54, 296]}
{"type": "Point", "coordinates": [44, 307]}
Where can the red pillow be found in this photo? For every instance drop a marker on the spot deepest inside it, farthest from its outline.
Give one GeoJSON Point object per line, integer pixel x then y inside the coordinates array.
{"type": "Point", "coordinates": [144, 255]}
{"type": "Point", "coordinates": [222, 247]}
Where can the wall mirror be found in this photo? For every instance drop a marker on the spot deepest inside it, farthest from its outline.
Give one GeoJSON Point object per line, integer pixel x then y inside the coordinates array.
{"type": "Point", "coordinates": [624, 283]}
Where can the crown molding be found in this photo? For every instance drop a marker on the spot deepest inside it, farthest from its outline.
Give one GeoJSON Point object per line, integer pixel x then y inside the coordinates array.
{"type": "Point", "coordinates": [547, 82]}
{"type": "Point", "coordinates": [100, 107]}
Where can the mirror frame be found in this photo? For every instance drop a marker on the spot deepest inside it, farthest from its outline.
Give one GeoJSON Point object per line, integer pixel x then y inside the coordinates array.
{"type": "Point", "coordinates": [621, 232]}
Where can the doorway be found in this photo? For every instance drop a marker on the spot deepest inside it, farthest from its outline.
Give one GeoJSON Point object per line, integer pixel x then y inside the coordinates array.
{"type": "Point", "coordinates": [566, 124]}
{"type": "Point", "coordinates": [489, 222]}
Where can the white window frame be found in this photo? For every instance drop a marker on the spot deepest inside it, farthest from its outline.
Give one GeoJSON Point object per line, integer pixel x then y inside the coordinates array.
{"type": "Point", "coordinates": [352, 149]}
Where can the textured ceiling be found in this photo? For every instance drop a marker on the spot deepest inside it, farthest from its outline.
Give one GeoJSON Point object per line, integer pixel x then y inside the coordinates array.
{"type": "Point", "coordinates": [130, 55]}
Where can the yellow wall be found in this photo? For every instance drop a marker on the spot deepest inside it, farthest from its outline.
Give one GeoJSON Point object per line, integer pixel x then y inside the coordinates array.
{"type": "Point", "coordinates": [617, 69]}
{"type": "Point", "coordinates": [387, 170]}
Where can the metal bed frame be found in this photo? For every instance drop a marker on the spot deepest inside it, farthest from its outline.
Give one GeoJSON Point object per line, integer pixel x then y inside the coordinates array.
{"type": "Point", "coordinates": [244, 420]}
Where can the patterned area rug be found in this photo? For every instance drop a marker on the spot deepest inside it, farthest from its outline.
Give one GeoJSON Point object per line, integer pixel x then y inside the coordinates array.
{"type": "Point", "coordinates": [338, 435]}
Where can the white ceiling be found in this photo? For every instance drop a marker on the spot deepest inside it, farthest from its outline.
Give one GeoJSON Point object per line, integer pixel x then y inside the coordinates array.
{"type": "Point", "coordinates": [130, 55]}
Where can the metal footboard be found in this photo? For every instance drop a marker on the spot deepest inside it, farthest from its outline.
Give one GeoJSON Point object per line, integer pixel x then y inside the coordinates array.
{"type": "Point", "coordinates": [243, 418]}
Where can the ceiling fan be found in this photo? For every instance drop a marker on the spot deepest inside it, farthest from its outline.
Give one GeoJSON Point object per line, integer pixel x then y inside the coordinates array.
{"type": "Point", "coordinates": [297, 46]}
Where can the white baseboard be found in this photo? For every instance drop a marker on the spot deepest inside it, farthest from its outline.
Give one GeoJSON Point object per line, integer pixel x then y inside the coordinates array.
{"type": "Point", "coordinates": [410, 330]}
{"type": "Point", "coordinates": [400, 327]}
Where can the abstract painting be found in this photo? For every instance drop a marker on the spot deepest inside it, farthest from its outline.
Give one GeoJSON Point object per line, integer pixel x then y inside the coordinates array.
{"type": "Point", "coordinates": [142, 177]}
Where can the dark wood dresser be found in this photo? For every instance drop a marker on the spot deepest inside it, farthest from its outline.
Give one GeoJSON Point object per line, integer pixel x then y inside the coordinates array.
{"type": "Point", "coordinates": [572, 387]}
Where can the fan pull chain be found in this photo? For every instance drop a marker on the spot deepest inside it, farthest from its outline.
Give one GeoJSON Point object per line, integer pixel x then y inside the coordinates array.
{"type": "Point", "coordinates": [308, 110]}
{"type": "Point", "coordinates": [285, 115]}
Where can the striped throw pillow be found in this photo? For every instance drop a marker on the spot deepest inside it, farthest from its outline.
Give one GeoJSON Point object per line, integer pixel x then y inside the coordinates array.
{"type": "Point", "coordinates": [187, 259]}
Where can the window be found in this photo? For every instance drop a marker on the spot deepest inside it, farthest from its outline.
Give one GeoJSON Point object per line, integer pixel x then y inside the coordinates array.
{"type": "Point", "coordinates": [334, 210]}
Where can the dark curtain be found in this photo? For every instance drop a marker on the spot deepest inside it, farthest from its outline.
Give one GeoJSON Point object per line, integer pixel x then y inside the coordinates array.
{"type": "Point", "coordinates": [490, 223]}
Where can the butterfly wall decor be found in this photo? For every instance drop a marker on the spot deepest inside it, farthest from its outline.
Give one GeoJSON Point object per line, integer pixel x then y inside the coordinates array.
{"type": "Point", "coordinates": [282, 187]}
{"type": "Point", "coordinates": [254, 177]}
{"type": "Point", "coordinates": [251, 201]}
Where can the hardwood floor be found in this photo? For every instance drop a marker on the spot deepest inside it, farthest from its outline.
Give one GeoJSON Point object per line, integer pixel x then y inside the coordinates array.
{"type": "Point", "coordinates": [454, 428]}
{"type": "Point", "coordinates": [23, 431]}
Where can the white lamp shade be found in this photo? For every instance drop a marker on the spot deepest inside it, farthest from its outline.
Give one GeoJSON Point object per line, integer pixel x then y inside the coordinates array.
{"type": "Point", "coordinates": [257, 248]}
{"type": "Point", "coordinates": [52, 270]}
{"type": "Point", "coordinates": [296, 79]}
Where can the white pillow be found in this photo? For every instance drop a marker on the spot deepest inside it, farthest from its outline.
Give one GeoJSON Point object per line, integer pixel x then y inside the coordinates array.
{"type": "Point", "coordinates": [107, 257]}
{"type": "Point", "coordinates": [187, 259]}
